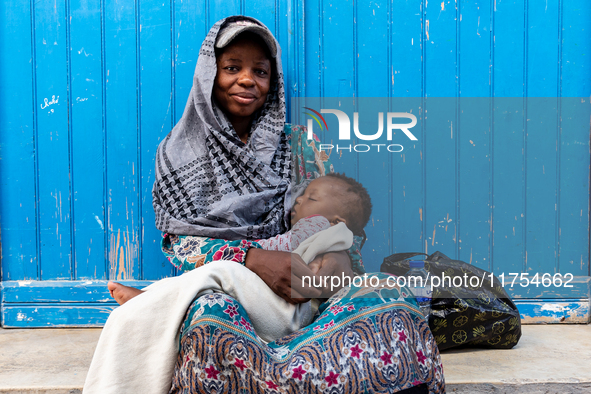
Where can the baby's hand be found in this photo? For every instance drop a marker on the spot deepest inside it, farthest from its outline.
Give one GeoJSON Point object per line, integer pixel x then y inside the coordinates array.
{"type": "Point", "coordinates": [316, 264]}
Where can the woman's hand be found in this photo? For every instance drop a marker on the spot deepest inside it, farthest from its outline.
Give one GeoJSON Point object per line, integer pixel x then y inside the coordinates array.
{"type": "Point", "coordinates": [282, 272]}
{"type": "Point", "coordinates": [331, 264]}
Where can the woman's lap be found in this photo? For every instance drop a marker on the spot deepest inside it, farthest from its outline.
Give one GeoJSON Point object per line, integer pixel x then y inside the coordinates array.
{"type": "Point", "coordinates": [364, 342]}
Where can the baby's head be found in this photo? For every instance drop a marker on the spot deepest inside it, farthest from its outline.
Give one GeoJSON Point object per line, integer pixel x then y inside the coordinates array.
{"type": "Point", "coordinates": [336, 197]}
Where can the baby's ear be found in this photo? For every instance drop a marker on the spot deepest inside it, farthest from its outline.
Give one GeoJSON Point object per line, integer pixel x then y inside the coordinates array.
{"type": "Point", "coordinates": [338, 219]}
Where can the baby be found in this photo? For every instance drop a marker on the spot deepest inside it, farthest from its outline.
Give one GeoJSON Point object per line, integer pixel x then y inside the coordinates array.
{"type": "Point", "coordinates": [326, 201]}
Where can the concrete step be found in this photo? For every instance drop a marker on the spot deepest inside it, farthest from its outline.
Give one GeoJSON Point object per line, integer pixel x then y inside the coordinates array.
{"type": "Point", "coordinates": [548, 359]}
{"type": "Point", "coordinates": [40, 361]}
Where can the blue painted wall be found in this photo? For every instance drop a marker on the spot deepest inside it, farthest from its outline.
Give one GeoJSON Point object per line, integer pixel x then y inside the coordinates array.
{"type": "Point", "coordinates": [89, 88]}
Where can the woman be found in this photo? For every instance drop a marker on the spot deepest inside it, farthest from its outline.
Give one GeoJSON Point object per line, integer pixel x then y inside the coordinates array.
{"type": "Point", "coordinates": [224, 172]}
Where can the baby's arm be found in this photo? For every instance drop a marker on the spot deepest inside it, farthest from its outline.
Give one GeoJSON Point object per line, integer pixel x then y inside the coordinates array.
{"type": "Point", "coordinates": [302, 230]}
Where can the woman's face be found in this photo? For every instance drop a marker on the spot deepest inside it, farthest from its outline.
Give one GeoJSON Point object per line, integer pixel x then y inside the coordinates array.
{"type": "Point", "coordinates": [243, 79]}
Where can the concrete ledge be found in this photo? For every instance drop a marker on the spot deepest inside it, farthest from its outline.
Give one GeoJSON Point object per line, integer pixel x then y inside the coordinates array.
{"type": "Point", "coordinates": [54, 390]}
{"type": "Point", "coordinates": [555, 355]}
{"type": "Point", "coordinates": [548, 359]}
{"type": "Point", "coordinates": [544, 388]}
{"type": "Point", "coordinates": [39, 361]}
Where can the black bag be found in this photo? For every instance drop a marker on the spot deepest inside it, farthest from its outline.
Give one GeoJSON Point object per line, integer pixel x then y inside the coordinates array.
{"type": "Point", "coordinates": [464, 315]}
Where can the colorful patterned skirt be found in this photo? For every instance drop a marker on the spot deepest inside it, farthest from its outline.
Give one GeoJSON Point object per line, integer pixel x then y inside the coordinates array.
{"type": "Point", "coordinates": [364, 341]}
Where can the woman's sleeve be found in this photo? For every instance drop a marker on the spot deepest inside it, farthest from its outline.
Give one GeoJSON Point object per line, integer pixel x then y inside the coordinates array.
{"type": "Point", "coordinates": [310, 163]}
{"type": "Point", "coordinates": [187, 252]}
{"type": "Point", "coordinates": [355, 256]}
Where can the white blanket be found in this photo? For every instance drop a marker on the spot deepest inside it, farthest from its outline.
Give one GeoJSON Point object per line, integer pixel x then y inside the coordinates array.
{"type": "Point", "coordinates": [138, 347]}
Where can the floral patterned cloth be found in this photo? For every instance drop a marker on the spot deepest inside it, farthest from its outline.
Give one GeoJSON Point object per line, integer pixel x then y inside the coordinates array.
{"type": "Point", "coordinates": [187, 252]}
{"type": "Point", "coordinates": [365, 340]}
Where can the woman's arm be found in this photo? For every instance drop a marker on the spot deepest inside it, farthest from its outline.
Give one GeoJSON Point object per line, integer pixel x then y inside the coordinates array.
{"type": "Point", "coordinates": [283, 272]}
{"type": "Point", "coordinates": [187, 252]}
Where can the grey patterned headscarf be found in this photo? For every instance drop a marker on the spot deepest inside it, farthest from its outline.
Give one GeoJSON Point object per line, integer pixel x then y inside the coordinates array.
{"type": "Point", "coordinates": [208, 182]}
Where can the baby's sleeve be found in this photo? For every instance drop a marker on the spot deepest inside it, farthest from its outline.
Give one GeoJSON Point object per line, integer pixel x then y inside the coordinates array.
{"type": "Point", "coordinates": [302, 230]}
